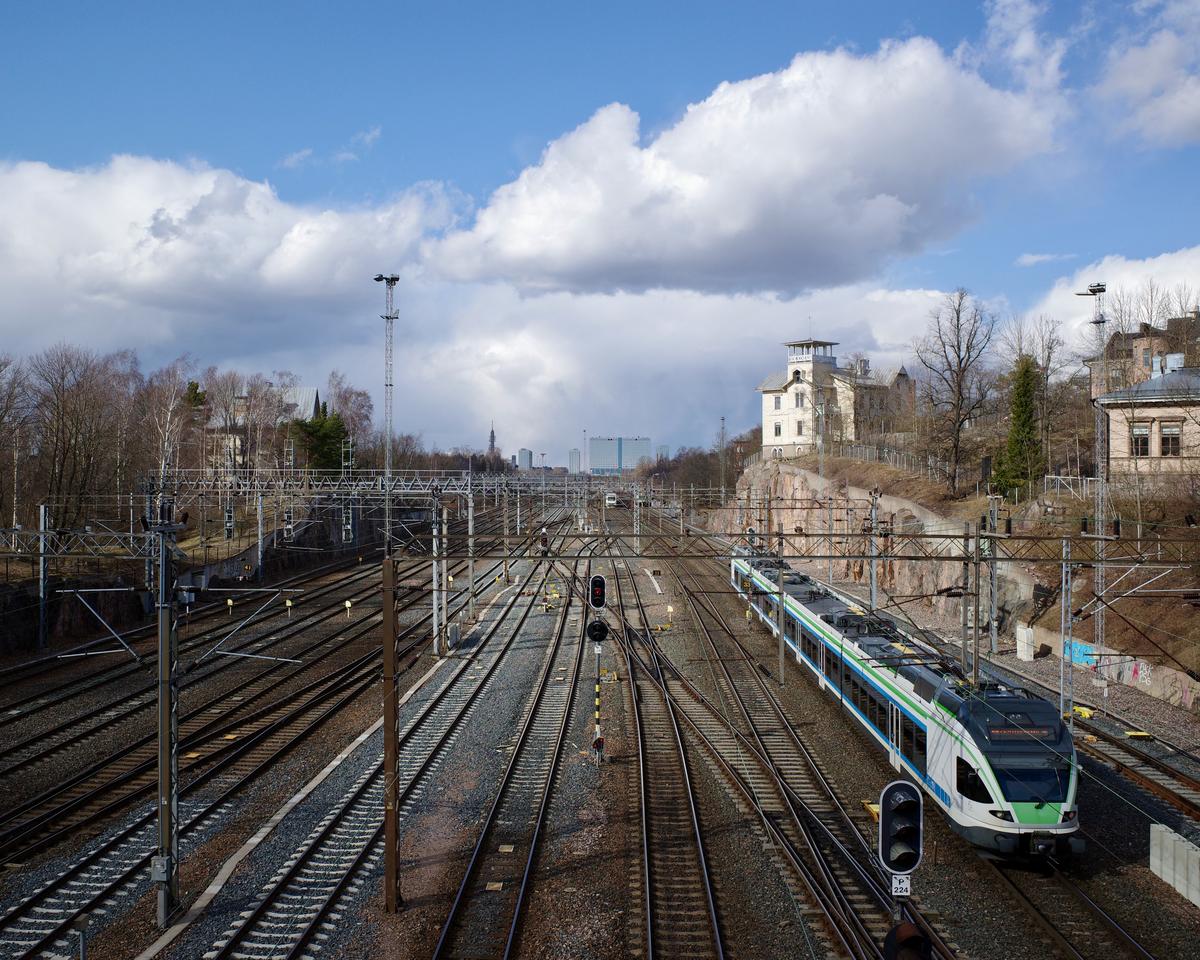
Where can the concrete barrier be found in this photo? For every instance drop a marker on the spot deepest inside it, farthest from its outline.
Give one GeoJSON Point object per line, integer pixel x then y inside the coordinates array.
{"type": "Point", "coordinates": [1176, 861]}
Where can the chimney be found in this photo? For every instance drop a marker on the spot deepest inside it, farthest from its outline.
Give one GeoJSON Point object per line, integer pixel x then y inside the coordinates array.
{"type": "Point", "coordinates": [863, 367]}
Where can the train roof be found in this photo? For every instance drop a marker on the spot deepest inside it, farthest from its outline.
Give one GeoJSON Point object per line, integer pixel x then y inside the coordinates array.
{"type": "Point", "coordinates": [993, 711]}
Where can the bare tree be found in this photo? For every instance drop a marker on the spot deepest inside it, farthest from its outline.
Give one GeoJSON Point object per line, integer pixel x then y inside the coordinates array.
{"type": "Point", "coordinates": [76, 398]}
{"type": "Point", "coordinates": [13, 411]}
{"type": "Point", "coordinates": [352, 405]}
{"type": "Point", "coordinates": [223, 390]}
{"type": "Point", "coordinates": [166, 412]}
{"type": "Point", "coordinates": [957, 382]}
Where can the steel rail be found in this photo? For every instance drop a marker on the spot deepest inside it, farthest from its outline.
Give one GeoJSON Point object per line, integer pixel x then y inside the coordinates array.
{"type": "Point", "coordinates": [457, 922]}
{"type": "Point", "coordinates": [109, 883]}
{"type": "Point", "coordinates": [652, 670]}
{"type": "Point", "coordinates": [280, 884]}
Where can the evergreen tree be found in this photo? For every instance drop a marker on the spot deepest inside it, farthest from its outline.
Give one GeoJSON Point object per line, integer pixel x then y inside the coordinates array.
{"type": "Point", "coordinates": [1019, 462]}
{"type": "Point", "coordinates": [321, 439]}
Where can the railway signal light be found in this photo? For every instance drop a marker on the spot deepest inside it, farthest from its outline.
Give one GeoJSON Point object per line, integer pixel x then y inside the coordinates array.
{"type": "Point", "coordinates": [597, 631]}
{"type": "Point", "coordinates": [597, 590]}
{"type": "Point", "coordinates": [900, 823]}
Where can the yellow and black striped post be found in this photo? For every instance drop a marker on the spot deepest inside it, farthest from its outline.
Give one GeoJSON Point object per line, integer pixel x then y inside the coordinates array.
{"type": "Point", "coordinates": [598, 738]}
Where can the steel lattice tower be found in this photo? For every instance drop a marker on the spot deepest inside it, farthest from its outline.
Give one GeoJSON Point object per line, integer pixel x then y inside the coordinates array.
{"type": "Point", "coordinates": [389, 317]}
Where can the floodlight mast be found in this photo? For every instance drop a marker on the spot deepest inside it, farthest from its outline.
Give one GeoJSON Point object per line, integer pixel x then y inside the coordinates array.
{"type": "Point", "coordinates": [1096, 291]}
{"type": "Point", "coordinates": [389, 318]}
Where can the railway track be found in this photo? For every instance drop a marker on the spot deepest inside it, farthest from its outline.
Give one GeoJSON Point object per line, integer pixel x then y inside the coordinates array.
{"type": "Point", "coordinates": [292, 909]}
{"type": "Point", "coordinates": [681, 917]}
{"type": "Point", "coordinates": [209, 730]}
{"type": "Point", "coordinates": [485, 916]}
{"type": "Point", "coordinates": [821, 849]}
{"type": "Point", "coordinates": [14, 675]}
{"type": "Point", "coordinates": [1160, 774]}
{"type": "Point", "coordinates": [1073, 925]}
{"type": "Point", "coordinates": [110, 868]}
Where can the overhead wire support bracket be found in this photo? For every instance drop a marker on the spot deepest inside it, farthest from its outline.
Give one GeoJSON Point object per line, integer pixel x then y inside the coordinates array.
{"type": "Point", "coordinates": [104, 623]}
{"type": "Point", "coordinates": [275, 594]}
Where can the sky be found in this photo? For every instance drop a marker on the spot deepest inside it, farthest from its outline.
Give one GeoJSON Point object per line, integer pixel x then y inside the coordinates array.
{"type": "Point", "coordinates": [606, 217]}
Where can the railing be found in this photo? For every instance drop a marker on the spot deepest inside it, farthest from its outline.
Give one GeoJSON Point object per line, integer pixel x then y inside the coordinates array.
{"type": "Point", "coordinates": [1081, 488]}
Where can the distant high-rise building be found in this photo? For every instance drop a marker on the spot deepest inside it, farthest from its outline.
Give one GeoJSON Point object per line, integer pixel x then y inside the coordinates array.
{"type": "Point", "coordinates": [573, 458]}
{"type": "Point", "coordinates": [612, 456]}
{"type": "Point", "coordinates": [524, 459]}
{"type": "Point", "coordinates": [663, 452]}
{"type": "Point", "coordinates": [513, 459]}
{"type": "Point", "coordinates": [492, 440]}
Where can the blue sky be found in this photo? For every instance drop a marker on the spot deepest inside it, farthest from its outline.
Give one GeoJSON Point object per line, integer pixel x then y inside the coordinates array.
{"type": "Point", "coordinates": [276, 147]}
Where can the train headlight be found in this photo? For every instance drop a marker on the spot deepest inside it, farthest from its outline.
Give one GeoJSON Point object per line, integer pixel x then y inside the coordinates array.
{"type": "Point", "coordinates": [1001, 815]}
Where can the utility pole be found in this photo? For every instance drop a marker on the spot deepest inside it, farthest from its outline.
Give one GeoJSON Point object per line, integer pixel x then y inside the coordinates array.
{"type": "Point", "coordinates": [506, 550]}
{"type": "Point", "coordinates": [389, 318]}
{"type": "Point", "coordinates": [445, 565]}
{"type": "Point", "coordinates": [966, 587]}
{"type": "Point", "coordinates": [543, 488]}
{"type": "Point", "coordinates": [471, 552]}
{"type": "Point", "coordinates": [1096, 291]}
{"type": "Point", "coordinates": [391, 742]}
{"type": "Point", "coordinates": [722, 459]}
{"type": "Point", "coordinates": [975, 630]}
{"type": "Point", "coordinates": [260, 538]}
{"type": "Point", "coordinates": [874, 554]}
{"type": "Point", "coordinates": [44, 574]}
{"type": "Point", "coordinates": [993, 577]}
{"type": "Point", "coordinates": [1065, 620]}
{"type": "Point", "coordinates": [779, 621]}
{"type": "Point", "coordinates": [436, 580]}
{"type": "Point", "coordinates": [165, 865]}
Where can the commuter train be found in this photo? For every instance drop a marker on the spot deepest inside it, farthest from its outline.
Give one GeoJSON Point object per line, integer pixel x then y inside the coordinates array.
{"type": "Point", "coordinates": [996, 759]}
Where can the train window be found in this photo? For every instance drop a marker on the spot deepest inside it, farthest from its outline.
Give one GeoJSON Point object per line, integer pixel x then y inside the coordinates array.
{"type": "Point", "coordinates": [918, 754]}
{"type": "Point", "coordinates": [969, 783]}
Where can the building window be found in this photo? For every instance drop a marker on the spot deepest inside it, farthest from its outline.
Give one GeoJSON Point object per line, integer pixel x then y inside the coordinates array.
{"type": "Point", "coordinates": [1146, 357]}
{"type": "Point", "coordinates": [1139, 440]}
{"type": "Point", "coordinates": [799, 400]}
{"type": "Point", "coordinates": [778, 402]}
{"type": "Point", "coordinates": [779, 429]}
{"type": "Point", "coordinates": [799, 429]}
{"type": "Point", "coordinates": [1169, 439]}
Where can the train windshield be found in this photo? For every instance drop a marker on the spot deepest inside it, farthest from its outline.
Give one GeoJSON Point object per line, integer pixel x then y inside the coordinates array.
{"type": "Point", "coordinates": [1033, 784]}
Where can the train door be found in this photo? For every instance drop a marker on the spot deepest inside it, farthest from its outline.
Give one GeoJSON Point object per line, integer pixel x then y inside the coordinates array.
{"type": "Point", "coordinates": [895, 728]}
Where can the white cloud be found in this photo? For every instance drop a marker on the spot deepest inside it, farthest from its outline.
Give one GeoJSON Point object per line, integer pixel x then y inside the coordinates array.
{"type": "Point", "coordinates": [1154, 74]}
{"type": "Point", "coordinates": [1033, 259]}
{"type": "Point", "coordinates": [345, 156]}
{"type": "Point", "coordinates": [816, 175]}
{"type": "Point", "coordinates": [548, 367]}
{"type": "Point", "coordinates": [367, 138]}
{"type": "Point", "coordinates": [1170, 271]}
{"type": "Point", "coordinates": [145, 252]}
{"type": "Point", "coordinates": [169, 258]}
{"type": "Point", "coordinates": [297, 159]}
{"type": "Point", "coordinates": [1013, 39]}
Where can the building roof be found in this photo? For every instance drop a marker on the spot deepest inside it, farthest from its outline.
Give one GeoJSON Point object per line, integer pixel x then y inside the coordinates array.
{"type": "Point", "coordinates": [299, 403]}
{"type": "Point", "coordinates": [1181, 384]}
{"type": "Point", "coordinates": [811, 343]}
{"type": "Point", "coordinates": [776, 381]}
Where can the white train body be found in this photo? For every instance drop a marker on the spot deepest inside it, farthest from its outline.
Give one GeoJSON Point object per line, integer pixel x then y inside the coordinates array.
{"type": "Point", "coordinates": [997, 760]}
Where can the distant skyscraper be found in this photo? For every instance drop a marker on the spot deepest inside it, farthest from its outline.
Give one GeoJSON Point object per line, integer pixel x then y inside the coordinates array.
{"type": "Point", "coordinates": [492, 440]}
{"type": "Point", "coordinates": [610, 456]}
{"type": "Point", "coordinates": [573, 460]}
{"type": "Point", "coordinates": [524, 459]}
